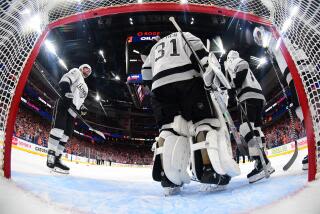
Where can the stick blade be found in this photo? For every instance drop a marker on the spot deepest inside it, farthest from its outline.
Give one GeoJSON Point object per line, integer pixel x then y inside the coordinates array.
{"type": "Point", "coordinates": [293, 158]}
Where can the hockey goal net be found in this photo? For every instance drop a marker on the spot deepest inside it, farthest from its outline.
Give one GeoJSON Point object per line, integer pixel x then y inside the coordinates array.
{"type": "Point", "coordinates": [24, 25]}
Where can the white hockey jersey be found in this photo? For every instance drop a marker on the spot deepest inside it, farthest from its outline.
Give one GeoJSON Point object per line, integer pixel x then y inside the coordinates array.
{"type": "Point", "coordinates": [170, 60]}
{"type": "Point", "coordinates": [78, 87]}
{"type": "Point", "coordinates": [246, 84]}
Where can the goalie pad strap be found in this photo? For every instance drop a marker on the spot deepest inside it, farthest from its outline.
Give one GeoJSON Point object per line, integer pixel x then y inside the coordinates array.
{"type": "Point", "coordinates": [179, 126]}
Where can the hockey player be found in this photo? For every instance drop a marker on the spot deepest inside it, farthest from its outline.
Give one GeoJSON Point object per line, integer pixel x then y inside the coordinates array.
{"type": "Point", "coordinates": [182, 111]}
{"type": "Point", "coordinates": [249, 94]}
{"type": "Point", "coordinates": [264, 39]}
{"type": "Point", "coordinates": [74, 91]}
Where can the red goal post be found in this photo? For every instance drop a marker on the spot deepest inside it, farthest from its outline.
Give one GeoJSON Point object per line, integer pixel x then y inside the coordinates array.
{"type": "Point", "coordinates": [20, 45]}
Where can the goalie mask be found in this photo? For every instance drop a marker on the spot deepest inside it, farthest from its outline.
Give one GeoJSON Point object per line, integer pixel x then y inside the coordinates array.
{"type": "Point", "coordinates": [85, 70]}
{"type": "Point", "coordinates": [228, 64]}
{"type": "Point", "coordinates": [261, 37]}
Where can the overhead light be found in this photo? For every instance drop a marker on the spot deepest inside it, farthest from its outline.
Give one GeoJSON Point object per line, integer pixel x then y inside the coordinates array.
{"type": "Point", "coordinates": [286, 25]}
{"type": "Point", "coordinates": [140, 1]}
{"type": "Point", "coordinates": [131, 21]}
{"type": "Point", "coordinates": [117, 77]}
{"type": "Point", "coordinates": [135, 51]}
{"type": "Point", "coordinates": [104, 60]}
{"type": "Point", "coordinates": [25, 11]}
{"type": "Point", "coordinates": [101, 52]}
{"type": "Point", "coordinates": [97, 97]}
{"type": "Point", "coordinates": [183, 1]}
{"type": "Point", "coordinates": [50, 47]}
{"type": "Point", "coordinates": [33, 24]}
{"type": "Point", "coordinates": [61, 62]}
{"type": "Point", "coordinates": [294, 11]}
{"type": "Point", "coordinates": [192, 21]}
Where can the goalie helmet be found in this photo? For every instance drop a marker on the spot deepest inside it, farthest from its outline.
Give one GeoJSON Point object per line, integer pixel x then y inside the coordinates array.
{"type": "Point", "coordinates": [85, 73]}
{"type": "Point", "coordinates": [258, 33]}
{"type": "Point", "coordinates": [261, 37]}
{"type": "Point", "coordinates": [232, 55]}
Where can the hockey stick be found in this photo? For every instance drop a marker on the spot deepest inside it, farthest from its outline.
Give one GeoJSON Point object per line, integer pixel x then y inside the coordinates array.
{"type": "Point", "coordinates": [202, 70]}
{"type": "Point", "coordinates": [75, 111]}
{"type": "Point", "coordinates": [217, 95]}
{"type": "Point", "coordinates": [296, 150]}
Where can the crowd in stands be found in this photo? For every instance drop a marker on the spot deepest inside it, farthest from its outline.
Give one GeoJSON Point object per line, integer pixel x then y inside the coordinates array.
{"type": "Point", "coordinates": [280, 132]}
{"type": "Point", "coordinates": [31, 127]}
{"type": "Point", "coordinates": [35, 129]}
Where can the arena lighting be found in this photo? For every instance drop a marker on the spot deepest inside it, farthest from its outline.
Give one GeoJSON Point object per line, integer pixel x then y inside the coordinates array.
{"type": "Point", "coordinates": [135, 51]}
{"type": "Point", "coordinates": [192, 20]}
{"type": "Point", "coordinates": [117, 77]}
{"type": "Point", "coordinates": [23, 100]}
{"type": "Point", "coordinates": [32, 23]}
{"type": "Point", "coordinates": [97, 97]}
{"type": "Point", "coordinates": [131, 21]}
{"type": "Point", "coordinates": [262, 61]}
{"type": "Point", "coordinates": [219, 44]}
{"type": "Point", "coordinates": [25, 11]}
{"type": "Point", "coordinates": [101, 53]}
{"type": "Point", "coordinates": [183, 1]}
{"type": "Point", "coordinates": [294, 11]}
{"type": "Point", "coordinates": [50, 47]}
{"type": "Point", "coordinates": [61, 62]}
{"type": "Point", "coordinates": [140, 1]}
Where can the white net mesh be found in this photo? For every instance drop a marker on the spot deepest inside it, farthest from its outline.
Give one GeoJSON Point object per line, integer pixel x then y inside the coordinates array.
{"type": "Point", "coordinates": [18, 37]}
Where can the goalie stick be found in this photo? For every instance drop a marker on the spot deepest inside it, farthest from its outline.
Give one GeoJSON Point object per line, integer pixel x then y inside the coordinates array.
{"type": "Point", "coordinates": [78, 115]}
{"type": "Point", "coordinates": [202, 70]}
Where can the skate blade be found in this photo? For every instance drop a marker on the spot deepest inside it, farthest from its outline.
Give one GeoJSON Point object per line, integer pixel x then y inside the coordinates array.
{"type": "Point", "coordinates": [212, 188]}
{"type": "Point", "coordinates": [59, 171]}
{"type": "Point", "coordinates": [168, 191]}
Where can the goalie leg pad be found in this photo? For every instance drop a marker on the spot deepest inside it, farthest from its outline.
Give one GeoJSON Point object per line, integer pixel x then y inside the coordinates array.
{"type": "Point", "coordinates": [219, 153]}
{"type": "Point", "coordinates": [175, 155]}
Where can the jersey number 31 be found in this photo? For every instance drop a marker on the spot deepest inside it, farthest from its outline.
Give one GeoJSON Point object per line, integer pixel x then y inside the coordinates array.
{"type": "Point", "coordinates": [161, 48]}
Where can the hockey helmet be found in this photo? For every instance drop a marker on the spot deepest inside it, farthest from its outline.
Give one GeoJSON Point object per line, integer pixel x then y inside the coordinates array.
{"type": "Point", "coordinates": [85, 74]}
{"type": "Point", "coordinates": [232, 55]}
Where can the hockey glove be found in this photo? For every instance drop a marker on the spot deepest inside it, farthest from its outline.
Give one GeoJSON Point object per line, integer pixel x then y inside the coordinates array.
{"type": "Point", "coordinates": [83, 110]}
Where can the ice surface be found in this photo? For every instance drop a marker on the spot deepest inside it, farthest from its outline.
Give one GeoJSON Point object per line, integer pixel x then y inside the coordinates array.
{"type": "Point", "coordinates": [101, 189]}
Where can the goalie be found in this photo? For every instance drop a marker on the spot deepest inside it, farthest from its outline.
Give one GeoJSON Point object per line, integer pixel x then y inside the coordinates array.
{"type": "Point", "coordinates": [189, 128]}
{"type": "Point", "coordinates": [249, 95]}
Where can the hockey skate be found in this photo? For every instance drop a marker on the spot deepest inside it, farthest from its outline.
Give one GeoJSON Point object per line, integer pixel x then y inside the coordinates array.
{"type": "Point", "coordinates": [258, 172]}
{"type": "Point", "coordinates": [212, 181]}
{"type": "Point", "coordinates": [54, 163]}
{"type": "Point", "coordinates": [305, 164]}
{"type": "Point", "coordinates": [169, 188]}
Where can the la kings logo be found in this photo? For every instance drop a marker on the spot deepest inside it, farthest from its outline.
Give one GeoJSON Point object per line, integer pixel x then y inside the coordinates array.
{"type": "Point", "coordinates": [82, 89]}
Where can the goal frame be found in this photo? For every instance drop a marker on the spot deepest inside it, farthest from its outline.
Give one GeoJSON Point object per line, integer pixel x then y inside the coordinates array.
{"type": "Point", "coordinates": [169, 7]}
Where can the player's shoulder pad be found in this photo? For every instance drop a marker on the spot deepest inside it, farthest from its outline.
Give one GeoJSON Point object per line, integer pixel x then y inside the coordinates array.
{"type": "Point", "coordinates": [74, 71]}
